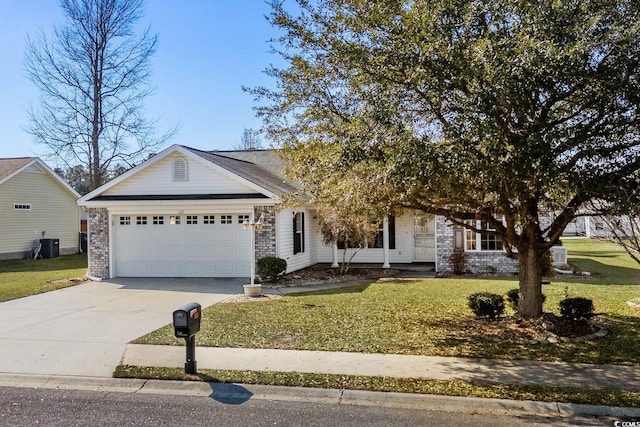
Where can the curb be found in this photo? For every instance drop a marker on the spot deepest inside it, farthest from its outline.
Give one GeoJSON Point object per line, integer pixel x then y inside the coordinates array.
{"type": "Point", "coordinates": [239, 393]}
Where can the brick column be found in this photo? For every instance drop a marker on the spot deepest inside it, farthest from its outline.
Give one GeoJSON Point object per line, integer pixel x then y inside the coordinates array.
{"type": "Point", "coordinates": [98, 243]}
{"type": "Point", "coordinates": [265, 238]}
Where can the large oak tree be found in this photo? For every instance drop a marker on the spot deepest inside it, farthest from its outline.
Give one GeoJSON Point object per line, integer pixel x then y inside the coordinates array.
{"type": "Point", "coordinates": [93, 76]}
{"type": "Point", "coordinates": [498, 110]}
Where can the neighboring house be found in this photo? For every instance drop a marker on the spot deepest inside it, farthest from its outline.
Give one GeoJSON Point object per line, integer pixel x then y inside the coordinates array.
{"type": "Point", "coordinates": [588, 226]}
{"type": "Point", "coordinates": [180, 214]}
{"type": "Point", "coordinates": [35, 203]}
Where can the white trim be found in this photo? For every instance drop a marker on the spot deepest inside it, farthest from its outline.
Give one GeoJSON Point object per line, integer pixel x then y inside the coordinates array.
{"type": "Point", "coordinates": [184, 178]}
{"type": "Point", "coordinates": [435, 238]}
{"type": "Point", "coordinates": [112, 262]}
{"type": "Point", "coordinates": [39, 163]}
{"type": "Point", "coordinates": [478, 238]}
{"type": "Point", "coordinates": [385, 242]}
{"type": "Point", "coordinates": [173, 203]}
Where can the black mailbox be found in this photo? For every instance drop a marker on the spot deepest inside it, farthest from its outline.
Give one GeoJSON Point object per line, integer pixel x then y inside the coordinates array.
{"type": "Point", "coordinates": [186, 320]}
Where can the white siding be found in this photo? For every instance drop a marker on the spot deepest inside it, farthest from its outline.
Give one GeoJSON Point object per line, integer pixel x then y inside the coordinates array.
{"type": "Point", "coordinates": [403, 253]}
{"type": "Point", "coordinates": [53, 211]}
{"type": "Point", "coordinates": [284, 231]}
{"type": "Point", "coordinates": [158, 179]}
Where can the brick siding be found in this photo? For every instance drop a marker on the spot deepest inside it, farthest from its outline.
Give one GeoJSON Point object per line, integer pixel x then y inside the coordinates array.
{"type": "Point", "coordinates": [265, 238]}
{"type": "Point", "coordinates": [477, 262]}
{"type": "Point", "coordinates": [98, 243]}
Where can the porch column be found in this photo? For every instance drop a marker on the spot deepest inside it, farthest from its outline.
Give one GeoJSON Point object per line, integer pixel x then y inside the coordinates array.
{"type": "Point", "coordinates": [385, 242]}
{"type": "Point", "coordinates": [587, 226]}
{"type": "Point", "coordinates": [334, 255]}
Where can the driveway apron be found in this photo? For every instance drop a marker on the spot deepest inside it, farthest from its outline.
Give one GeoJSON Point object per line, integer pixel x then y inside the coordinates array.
{"type": "Point", "coordinates": [83, 330]}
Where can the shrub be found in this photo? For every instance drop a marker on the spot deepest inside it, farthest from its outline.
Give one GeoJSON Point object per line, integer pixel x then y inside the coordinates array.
{"type": "Point", "coordinates": [576, 308]}
{"type": "Point", "coordinates": [458, 261]}
{"type": "Point", "coordinates": [269, 268]}
{"type": "Point", "coordinates": [513, 297]}
{"type": "Point", "coordinates": [486, 304]}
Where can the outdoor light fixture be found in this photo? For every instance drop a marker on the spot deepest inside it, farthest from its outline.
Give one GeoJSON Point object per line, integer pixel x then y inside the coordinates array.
{"type": "Point", "coordinates": [251, 225]}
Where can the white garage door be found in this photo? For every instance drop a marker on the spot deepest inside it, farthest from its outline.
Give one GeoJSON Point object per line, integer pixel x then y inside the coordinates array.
{"type": "Point", "coordinates": [203, 245]}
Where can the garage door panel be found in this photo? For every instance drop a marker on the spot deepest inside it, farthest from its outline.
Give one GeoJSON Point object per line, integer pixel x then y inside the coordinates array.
{"type": "Point", "coordinates": [181, 250]}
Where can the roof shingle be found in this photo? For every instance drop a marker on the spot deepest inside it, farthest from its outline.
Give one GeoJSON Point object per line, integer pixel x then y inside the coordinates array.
{"type": "Point", "coordinates": [9, 166]}
{"type": "Point", "coordinates": [261, 167]}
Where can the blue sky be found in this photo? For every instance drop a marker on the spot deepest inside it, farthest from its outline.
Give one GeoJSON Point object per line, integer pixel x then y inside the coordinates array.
{"type": "Point", "coordinates": [208, 50]}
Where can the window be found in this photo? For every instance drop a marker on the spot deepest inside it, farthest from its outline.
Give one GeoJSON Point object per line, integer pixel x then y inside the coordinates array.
{"type": "Point", "coordinates": [298, 232]}
{"type": "Point", "coordinates": [141, 220]}
{"type": "Point", "coordinates": [209, 219]}
{"type": "Point", "coordinates": [158, 220]}
{"type": "Point", "coordinates": [192, 219]}
{"type": "Point", "coordinates": [378, 240]}
{"type": "Point", "coordinates": [226, 219]}
{"type": "Point", "coordinates": [174, 219]}
{"type": "Point", "coordinates": [125, 220]}
{"type": "Point", "coordinates": [180, 170]}
{"type": "Point", "coordinates": [242, 218]}
{"type": "Point", "coordinates": [484, 240]}
{"type": "Point", "coordinates": [22, 206]}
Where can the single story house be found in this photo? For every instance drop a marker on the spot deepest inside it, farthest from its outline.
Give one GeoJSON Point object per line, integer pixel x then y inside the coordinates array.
{"type": "Point", "coordinates": [181, 214]}
{"type": "Point", "coordinates": [35, 203]}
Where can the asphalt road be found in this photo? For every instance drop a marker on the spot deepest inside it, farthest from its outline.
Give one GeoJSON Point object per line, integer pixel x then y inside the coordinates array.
{"type": "Point", "coordinates": [50, 407]}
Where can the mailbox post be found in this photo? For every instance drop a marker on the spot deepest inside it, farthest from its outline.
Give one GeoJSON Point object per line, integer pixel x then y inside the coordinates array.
{"type": "Point", "coordinates": [186, 322]}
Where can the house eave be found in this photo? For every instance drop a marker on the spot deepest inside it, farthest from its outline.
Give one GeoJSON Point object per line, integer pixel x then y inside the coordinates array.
{"type": "Point", "coordinates": [179, 197]}
{"type": "Point", "coordinates": [177, 201]}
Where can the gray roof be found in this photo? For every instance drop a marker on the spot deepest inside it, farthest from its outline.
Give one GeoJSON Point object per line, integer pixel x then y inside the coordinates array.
{"type": "Point", "coordinates": [261, 167]}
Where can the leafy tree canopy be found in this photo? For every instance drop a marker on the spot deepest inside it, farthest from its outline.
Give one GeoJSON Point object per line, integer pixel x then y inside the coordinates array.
{"type": "Point", "coordinates": [502, 109]}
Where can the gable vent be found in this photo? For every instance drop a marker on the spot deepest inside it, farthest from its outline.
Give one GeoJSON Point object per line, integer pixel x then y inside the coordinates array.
{"type": "Point", "coordinates": [180, 171]}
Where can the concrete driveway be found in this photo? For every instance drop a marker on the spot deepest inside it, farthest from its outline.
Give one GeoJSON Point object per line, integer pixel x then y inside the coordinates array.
{"type": "Point", "coordinates": [83, 330]}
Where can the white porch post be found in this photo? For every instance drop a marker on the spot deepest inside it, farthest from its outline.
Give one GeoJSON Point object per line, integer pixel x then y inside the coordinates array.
{"type": "Point", "coordinates": [334, 255]}
{"type": "Point", "coordinates": [587, 226]}
{"type": "Point", "coordinates": [385, 242]}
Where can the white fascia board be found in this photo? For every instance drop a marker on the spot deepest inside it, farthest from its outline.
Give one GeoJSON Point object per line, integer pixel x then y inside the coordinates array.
{"type": "Point", "coordinates": [182, 210]}
{"type": "Point", "coordinates": [85, 200]}
{"type": "Point", "coordinates": [55, 176]}
{"type": "Point", "coordinates": [42, 165]}
{"type": "Point", "coordinates": [17, 171]}
{"type": "Point", "coordinates": [176, 204]}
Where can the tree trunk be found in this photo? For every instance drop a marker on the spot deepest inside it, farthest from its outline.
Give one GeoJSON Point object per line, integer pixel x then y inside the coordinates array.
{"type": "Point", "coordinates": [530, 283]}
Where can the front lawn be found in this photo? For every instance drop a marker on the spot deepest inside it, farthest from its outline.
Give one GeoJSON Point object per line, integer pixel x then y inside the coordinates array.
{"type": "Point", "coordinates": [431, 317]}
{"type": "Point", "coordinates": [24, 277]}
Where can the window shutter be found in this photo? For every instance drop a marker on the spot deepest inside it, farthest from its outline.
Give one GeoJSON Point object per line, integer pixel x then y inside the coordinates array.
{"type": "Point", "coordinates": [301, 231]}
{"type": "Point", "coordinates": [296, 238]}
{"type": "Point", "coordinates": [298, 232]}
{"type": "Point", "coordinates": [392, 232]}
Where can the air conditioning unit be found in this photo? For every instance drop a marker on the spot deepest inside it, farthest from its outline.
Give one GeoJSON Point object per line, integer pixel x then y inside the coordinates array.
{"type": "Point", "coordinates": [559, 255]}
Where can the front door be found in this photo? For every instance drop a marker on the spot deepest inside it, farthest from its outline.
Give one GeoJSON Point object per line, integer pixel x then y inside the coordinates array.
{"type": "Point", "coordinates": [424, 239]}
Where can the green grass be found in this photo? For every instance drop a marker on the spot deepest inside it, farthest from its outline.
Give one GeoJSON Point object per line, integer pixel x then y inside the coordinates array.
{"type": "Point", "coordinates": [589, 396]}
{"type": "Point", "coordinates": [430, 317]}
{"type": "Point", "coordinates": [24, 277]}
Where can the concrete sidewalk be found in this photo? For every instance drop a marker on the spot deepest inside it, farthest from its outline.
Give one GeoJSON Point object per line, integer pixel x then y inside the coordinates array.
{"type": "Point", "coordinates": [493, 371]}
{"type": "Point", "coordinates": [390, 365]}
